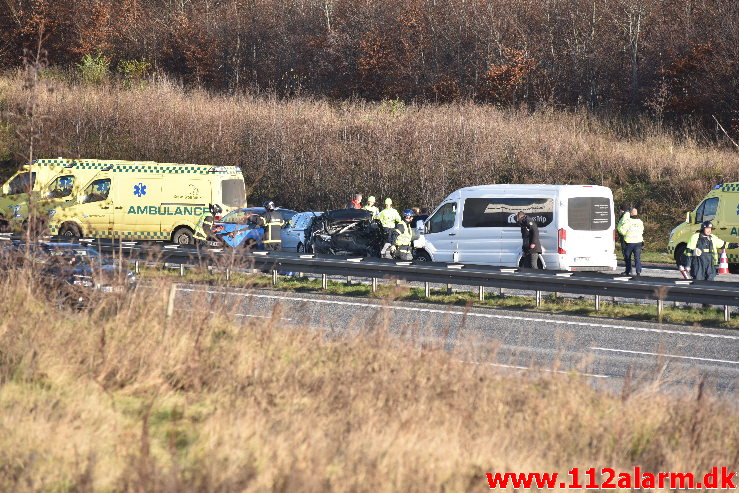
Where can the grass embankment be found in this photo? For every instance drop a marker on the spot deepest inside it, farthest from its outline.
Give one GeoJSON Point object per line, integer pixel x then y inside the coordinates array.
{"type": "Point", "coordinates": [312, 154]}
{"type": "Point", "coordinates": [551, 303]}
{"type": "Point", "coordinates": [121, 398]}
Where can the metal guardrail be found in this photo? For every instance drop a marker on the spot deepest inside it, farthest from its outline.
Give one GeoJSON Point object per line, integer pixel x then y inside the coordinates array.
{"type": "Point", "coordinates": [598, 285]}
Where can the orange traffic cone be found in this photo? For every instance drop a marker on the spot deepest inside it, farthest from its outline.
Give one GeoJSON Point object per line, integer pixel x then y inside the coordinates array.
{"type": "Point", "coordinates": [723, 263]}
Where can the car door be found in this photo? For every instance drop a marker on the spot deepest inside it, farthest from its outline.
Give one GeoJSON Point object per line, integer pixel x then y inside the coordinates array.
{"type": "Point", "coordinates": [440, 231]}
{"type": "Point", "coordinates": [478, 239]}
{"type": "Point", "coordinates": [291, 233]}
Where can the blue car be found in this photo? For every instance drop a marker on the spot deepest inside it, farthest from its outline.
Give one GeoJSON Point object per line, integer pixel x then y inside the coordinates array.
{"type": "Point", "coordinates": [239, 226]}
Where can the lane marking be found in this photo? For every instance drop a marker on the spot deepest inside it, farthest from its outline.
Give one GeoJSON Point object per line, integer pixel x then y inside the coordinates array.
{"type": "Point", "coordinates": [665, 355]}
{"type": "Point", "coordinates": [516, 367]}
{"type": "Point", "coordinates": [462, 314]}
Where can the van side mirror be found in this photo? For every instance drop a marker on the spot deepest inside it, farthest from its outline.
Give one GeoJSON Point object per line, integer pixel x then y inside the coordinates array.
{"type": "Point", "coordinates": [420, 227]}
{"type": "Point", "coordinates": [690, 217]}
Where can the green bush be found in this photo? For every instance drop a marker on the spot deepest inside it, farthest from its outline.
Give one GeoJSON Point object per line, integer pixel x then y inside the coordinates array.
{"type": "Point", "coordinates": [94, 68]}
{"type": "Point", "coordinates": [133, 72]}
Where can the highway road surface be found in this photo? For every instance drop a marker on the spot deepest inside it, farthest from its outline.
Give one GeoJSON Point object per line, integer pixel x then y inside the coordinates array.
{"type": "Point", "coordinates": [607, 352]}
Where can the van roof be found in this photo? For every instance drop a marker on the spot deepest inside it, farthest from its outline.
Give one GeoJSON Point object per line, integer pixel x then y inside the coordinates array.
{"type": "Point", "coordinates": [520, 187]}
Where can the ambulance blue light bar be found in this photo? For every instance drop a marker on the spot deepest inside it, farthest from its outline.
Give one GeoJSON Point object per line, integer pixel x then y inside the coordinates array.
{"type": "Point", "coordinates": [717, 187]}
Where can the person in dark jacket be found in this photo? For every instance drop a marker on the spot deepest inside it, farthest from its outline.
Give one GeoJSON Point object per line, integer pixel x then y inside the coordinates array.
{"type": "Point", "coordinates": [355, 203]}
{"type": "Point", "coordinates": [702, 252]}
{"type": "Point", "coordinates": [531, 246]}
{"type": "Point", "coordinates": [272, 222]}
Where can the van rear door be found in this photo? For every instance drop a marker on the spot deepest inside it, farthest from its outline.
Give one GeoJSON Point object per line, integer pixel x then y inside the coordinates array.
{"type": "Point", "coordinates": [588, 234]}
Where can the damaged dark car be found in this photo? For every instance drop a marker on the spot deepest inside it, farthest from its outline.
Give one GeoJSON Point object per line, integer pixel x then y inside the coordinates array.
{"type": "Point", "coordinates": [346, 232]}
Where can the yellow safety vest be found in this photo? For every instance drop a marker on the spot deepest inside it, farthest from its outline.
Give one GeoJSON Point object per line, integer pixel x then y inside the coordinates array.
{"type": "Point", "coordinates": [374, 210]}
{"type": "Point", "coordinates": [632, 230]}
{"type": "Point", "coordinates": [405, 235]}
{"type": "Point", "coordinates": [388, 217]}
{"type": "Point", "coordinates": [715, 241]}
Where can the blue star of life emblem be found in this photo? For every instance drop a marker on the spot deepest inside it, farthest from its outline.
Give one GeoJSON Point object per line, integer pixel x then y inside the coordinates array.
{"type": "Point", "coordinates": [139, 190]}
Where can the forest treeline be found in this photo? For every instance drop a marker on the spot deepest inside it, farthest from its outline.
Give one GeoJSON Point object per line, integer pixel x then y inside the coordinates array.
{"type": "Point", "coordinates": [674, 59]}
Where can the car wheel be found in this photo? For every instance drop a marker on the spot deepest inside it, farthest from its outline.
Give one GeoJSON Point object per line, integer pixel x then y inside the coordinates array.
{"type": "Point", "coordinates": [300, 248]}
{"type": "Point", "coordinates": [70, 230]}
{"type": "Point", "coordinates": [423, 256]}
{"type": "Point", "coordinates": [680, 254]}
{"type": "Point", "coordinates": [183, 236]}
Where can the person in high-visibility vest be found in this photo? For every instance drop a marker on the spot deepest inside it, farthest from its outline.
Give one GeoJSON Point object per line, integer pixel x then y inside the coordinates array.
{"type": "Point", "coordinates": [632, 230]}
{"type": "Point", "coordinates": [399, 244]}
{"type": "Point", "coordinates": [388, 217]}
{"type": "Point", "coordinates": [372, 207]}
{"type": "Point", "coordinates": [701, 252]}
{"type": "Point", "coordinates": [272, 222]}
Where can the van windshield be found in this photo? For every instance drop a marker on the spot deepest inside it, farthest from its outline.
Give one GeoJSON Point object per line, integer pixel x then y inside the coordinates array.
{"type": "Point", "coordinates": [22, 183]}
{"type": "Point", "coordinates": [589, 213]}
{"type": "Point", "coordinates": [232, 193]}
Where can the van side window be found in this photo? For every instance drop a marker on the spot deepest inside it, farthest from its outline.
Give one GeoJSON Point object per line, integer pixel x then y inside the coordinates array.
{"type": "Point", "coordinates": [501, 212]}
{"type": "Point", "coordinates": [707, 210]}
{"type": "Point", "coordinates": [97, 191]}
{"type": "Point", "coordinates": [61, 187]}
{"type": "Point", "coordinates": [443, 219]}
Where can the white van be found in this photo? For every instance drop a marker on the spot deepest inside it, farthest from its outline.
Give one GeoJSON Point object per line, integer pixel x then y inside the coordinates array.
{"type": "Point", "coordinates": [477, 225]}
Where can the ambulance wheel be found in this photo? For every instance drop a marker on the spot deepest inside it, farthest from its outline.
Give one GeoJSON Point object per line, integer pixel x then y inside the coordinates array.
{"type": "Point", "coordinates": [183, 236]}
{"type": "Point", "coordinates": [680, 254]}
{"type": "Point", "coordinates": [4, 225]}
{"type": "Point", "coordinates": [70, 230]}
{"type": "Point", "coordinates": [300, 248]}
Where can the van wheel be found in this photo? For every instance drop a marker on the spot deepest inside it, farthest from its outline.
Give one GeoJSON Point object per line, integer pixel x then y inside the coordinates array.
{"type": "Point", "coordinates": [300, 248]}
{"type": "Point", "coordinates": [183, 236]}
{"type": "Point", "coordinates": [4, 225]}
{"type": "Point", "coordinates": [423, 256]}
{"type": "Point", "coordinates": [70, 230]}
{"type": "Point", "coordinates": [680, 254]}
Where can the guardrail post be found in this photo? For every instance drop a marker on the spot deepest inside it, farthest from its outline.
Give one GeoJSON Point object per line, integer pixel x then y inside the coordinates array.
{"type": "Point", "coordinates": [481, 293]}
{"type": "Point", "coordinates": [274, 277]}
{"type": "Point", "coordinates": [228, 274]}
{"type": "Point", "coordinates": [427, 289]}
{"type": "Point", "coordinates": [348, 280]}
{"type": "Point", "coordinates": [597, 302]}
{"type": "Point", "coordinates": [136, 267]}
{"type": "Point", "coordinates": [538, 299]}
{"type": "Point", "coordinates": [727, 313]}
{"type": "Point", "coordinates": [324, 281]}
{"type": "Point", "coordinates": [660, 307]}
{"type": "Point", "coordinates": [448, 289]}
{"type": "Point", "coordinates": [374, 284]}
{"type": "Point", "coordinates": [182, 270]}
{"type": "Point", "coordinates": [500, 292]}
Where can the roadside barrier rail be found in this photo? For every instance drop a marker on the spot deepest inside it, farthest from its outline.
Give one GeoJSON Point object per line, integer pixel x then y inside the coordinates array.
{"type": "Point", "coordinates": [593, 284]}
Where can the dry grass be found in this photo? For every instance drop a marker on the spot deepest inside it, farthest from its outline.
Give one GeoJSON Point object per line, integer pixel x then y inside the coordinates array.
{"type": "Point", "coordinates": [121, 398]}
{"type": "Point", "coordinates": [314, 154]}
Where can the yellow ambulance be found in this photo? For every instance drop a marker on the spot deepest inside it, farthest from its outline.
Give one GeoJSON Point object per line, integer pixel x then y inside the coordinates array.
{"type": "Point", "coordinates": [148, 201]}
{"type": "Point", "coordinates": [721, 207]}
{"type": "Point", "coordinates": [50, 181]}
